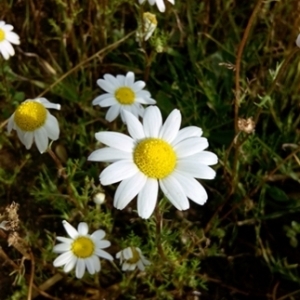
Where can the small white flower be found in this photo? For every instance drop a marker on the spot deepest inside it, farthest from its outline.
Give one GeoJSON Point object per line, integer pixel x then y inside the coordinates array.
{"type": "Point", "coordinates": [33, 122]}
{"type": "Point", "coordinates": [123, 94]}
{"type": "Point", "coordinates": [156, 155]}
{"type": "Point", "coordinates": [99, 198]}
{"type": "Point", "coordinates": [146, 30]}
{"type": "Point", "coordinates": [7, 37]}
{"type": "Point", "coordinates": [132, 257]}
{"type": "Point", "coordinates": [81, 250]}
{"type": "Point", "coordinates": [159, 3]}
{"type": "Point", "coordinates": [298, 41]}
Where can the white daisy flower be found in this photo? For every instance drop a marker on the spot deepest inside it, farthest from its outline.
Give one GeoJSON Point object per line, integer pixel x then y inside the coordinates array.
{"type": "Point", "coordinates": [145, 31]}
{"type": "Point", "coordinates": [159, 3]}
{"type": "Point", "coordinates": [123, 94]}
{"type": "Point", "coordinates": [132, 257]}
{"type": "Point", "coordinates": [7, 37]}
{"type": "Point", "coordinates": [81, 250]}
{"type": "Point", "coordinates": [33, 122]}
{"type": "Point", "coordinates": [155, 155]}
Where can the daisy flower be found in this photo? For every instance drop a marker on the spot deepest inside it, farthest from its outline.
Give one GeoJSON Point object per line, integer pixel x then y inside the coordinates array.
{"type": "Point", "coordinates": [159, 3]}
{"type": "Point", "coordinates": [123, 94]}
{"type": "Point", "coordinates": [81, 250]}
{"type": "Point", "coordinates": [7, 37]}
{"type": "Point", "coordinates": [156, 155]}
{"type": "Point", "coordinates": [33, 122]}
{"type": "Point", "coordinates": [132, 257]}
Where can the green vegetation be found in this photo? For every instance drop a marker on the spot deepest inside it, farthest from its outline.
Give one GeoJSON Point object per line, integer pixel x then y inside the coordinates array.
{"type": "Point", "coordinates": [228, 66]}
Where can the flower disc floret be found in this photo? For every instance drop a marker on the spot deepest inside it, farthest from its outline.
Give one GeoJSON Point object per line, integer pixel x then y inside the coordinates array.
{"type": "Point", "coordinates": [2, 35]}
{"type": "Point", "coordinates": [30, 115]}
{"type": "Point", "coordinates": [83, 247]}
{"type": "Point", "coordinates": [125, 95]}
{"type": "Point", "coordinates": [155, 158]}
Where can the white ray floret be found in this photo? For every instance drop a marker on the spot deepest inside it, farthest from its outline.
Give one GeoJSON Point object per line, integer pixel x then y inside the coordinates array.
{"type": "Point", "coordinates": [7, 38]}
{"type": "Point", "coordinates": [34, 123]}
{"type": "Point", "coordinates": [159, 3]}
{"type": "Point", "coordinates": [81, 251]}
{"type": "Point", "coordinates": [123, 94]}
{"type": "Point", "coordinates": [132, 257]}
{"type": "Point", "coordinates": [155, 155]}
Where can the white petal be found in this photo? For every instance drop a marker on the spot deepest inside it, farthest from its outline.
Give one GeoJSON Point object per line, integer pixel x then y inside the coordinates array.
{"type": "Point", "coordinates": [109, 154]}
{"type": "Point", "coordinates": [61, 248]}
{"type": "Point", "coordinates": [172, 1]}
{"type": "Point", "coordinates": [103, 254]}
{"type": "Point", "coordinates": [134, 126]}
{"type": "Point", "coordinates": [138, 86]}
{"type": "Point", "coordinates": [195, 169]}
{"type": "Point", "coordinates": [89, 262]}
{"type": "Point", "coordinates": [147, 198]}
{"type": "Point", "coordinates": [71, 231]}
{"type": "Point", "coordinates": [187, 132]}
{"type": "Point", "coordinates": [152, 121]}
{"type": "Point", "coordinates": [112, 80]}
{"type": "Point", "coordinates": [147, 101]}
{"type": "Point", "coordinates": [64, 240]}
{"type": "Point", "coordinates": [52, 127]}
{"type": "Point", "coordinates": [129, 79]}
{"type": "Point", "coordinates": [10, 123]}
{"type": "Point", "coordinates": [118, 171]}
{"type": "Point", "coordinates": [82, 228]}
{"type": "Point", "coordinates": [160, 5]}
{"type": "Point", "coordinates": [204, 157]}
{"type": "Point", "coordinates": [140, 265]}
{"type": "Point", "coordinates": [41, 139]}
{"type": "Point", "coordinates": [171, 126]}
{"type": "Point", "coordinates": [8, 47]}
{"type": "Point", "coordinates": [106, 86]}
{"type": "Point", "coordinates": [97, 265]}
{"type": "Point", "coordinates": [100, 98]}
{"type": "Point", "coordinates": [28, 139]}
{"type": "Point", "coordinates": [98, 234]}
{"type": "Point", "coordinates": [128, 189]}
{"type": "Point", "coordinates": [102, 244]}
{"type": "Point", "coordinates": [63, 259]}
{"type": "Point", "coordinates": [70, 264]}
{"type": "Point", "coordinates": [113, 112]}
{"type": "Point", "coordinates": [47, 103]}
{"type": "Point", "coordinates": [116, 140]}
{"type": "Point", "coordinates": [174, 192]}
{"type": "Point", "coordinates": [80, 268]}
{"type": "Point", "coordinates": [192, 188]}
{"type": "Point", "coordinates": [190, 146]}
{"type": "Point", "coordinates": [108, 102]}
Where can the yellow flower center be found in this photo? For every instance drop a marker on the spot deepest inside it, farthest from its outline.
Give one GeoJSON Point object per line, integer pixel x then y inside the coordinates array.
{"type": "Point", "coordinates": [30, 115]}
{"type": "Point", "coordinates": [83, 247]}
{"type": "Point", "coordinates": [155, 158]}
{"type": "Point", "coordinates": [135, 256]}
{"type": "Point", "coordinates": [125, 95]}
{"type": "Point", "coordinates": [2, 35]}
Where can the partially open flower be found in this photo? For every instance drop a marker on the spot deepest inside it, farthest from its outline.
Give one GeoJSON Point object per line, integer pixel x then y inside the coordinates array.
{"type": "Point", "coordinates": [33, 122]}
{"type": "Point", "coordinates": [7, 37]}
{"type": "Point", "coordinates": [81, 250]}
{"type": "Point", "coordinates": [132, 257]}
{"type": "Point", "coordinates": [146, 30]}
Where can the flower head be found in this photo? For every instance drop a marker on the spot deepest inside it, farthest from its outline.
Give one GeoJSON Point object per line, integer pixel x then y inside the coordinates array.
{"type": "Point", "coordinates": [33, 122]}
{"type": "Point", "coordinates": [123, 94]}
{"type": "Point", "coordinates": [7, 37]}
{"type": "Point", "coordinates": [132, 257]}
{"type": "Point", "coordinates": [146, 30]}
{"type": "Point", "coordinates": [159, 3]}
{"type": "Point", "coordinates": [155, 155]}
{"type": "Point", "coordinates": [81, 250]}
